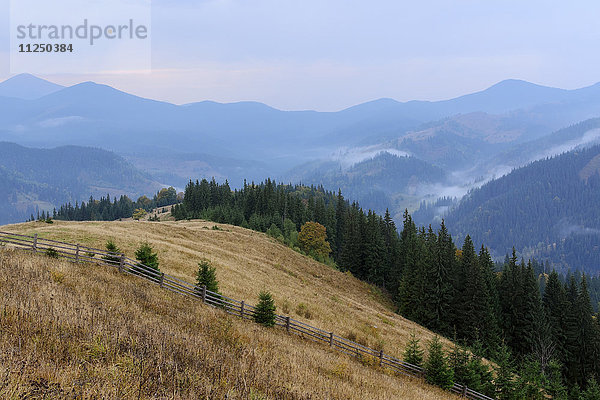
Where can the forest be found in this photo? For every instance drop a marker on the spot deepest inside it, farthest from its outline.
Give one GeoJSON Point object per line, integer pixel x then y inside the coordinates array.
{"type": "Point", "coordinates": [106, 210]}
{"type": "Point", "coordinates": [548, 210]}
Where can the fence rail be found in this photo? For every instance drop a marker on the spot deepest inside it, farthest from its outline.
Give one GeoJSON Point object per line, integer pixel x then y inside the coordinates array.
{"type": "Point", "coordinates": [78, 253]}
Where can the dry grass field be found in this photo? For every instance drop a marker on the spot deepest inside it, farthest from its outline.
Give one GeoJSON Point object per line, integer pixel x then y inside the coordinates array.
{"type": "Point", "coordinates": [84, 331]}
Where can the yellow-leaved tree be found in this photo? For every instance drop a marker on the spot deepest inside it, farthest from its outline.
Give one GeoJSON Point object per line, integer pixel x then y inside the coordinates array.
{"type": "Point", "coordinates": [312, 239]}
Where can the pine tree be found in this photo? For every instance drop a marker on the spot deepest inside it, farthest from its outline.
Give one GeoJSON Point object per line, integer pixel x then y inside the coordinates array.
{"type": "Point", "coordinates": [264, 312]}
{"type": "Point", "coordinates": [413, 354]}
{"type": "Point", "coordinates": [437, 371]}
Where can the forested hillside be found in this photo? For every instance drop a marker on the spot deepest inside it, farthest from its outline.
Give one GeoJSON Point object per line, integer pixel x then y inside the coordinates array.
{"type": "Point", "coordinates": [383, 181]}
{"type": "Point", "coordinates": [32, 179]}
{"type": "Point", "coordinates": [454, 291]}
{"type": "Point", "coordinates": [548, 209]}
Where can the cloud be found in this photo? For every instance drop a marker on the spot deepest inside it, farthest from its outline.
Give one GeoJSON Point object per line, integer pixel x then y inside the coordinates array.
{"type": "Point", "coordinates": [55, 122]}
{"type": "Point", "coordinates": [347, 157]}
{"type": "Point", "coordinates": [590, 137]}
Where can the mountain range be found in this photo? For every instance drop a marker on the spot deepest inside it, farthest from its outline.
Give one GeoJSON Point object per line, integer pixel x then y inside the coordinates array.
{"type": "Point", "coordinates": [384, 153]}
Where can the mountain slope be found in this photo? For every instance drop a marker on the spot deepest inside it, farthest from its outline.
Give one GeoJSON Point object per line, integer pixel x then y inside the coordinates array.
{"type": "Point", "coordinates": [548, 209]}
{"type": "Point", "coordinates": [246, 262]}
{"type": "Point", "coordinates": [376, 182]}
{"type": "Point", "coordinates": [47, 178]}
{"type": "Point", "coordinates": [27, 87]}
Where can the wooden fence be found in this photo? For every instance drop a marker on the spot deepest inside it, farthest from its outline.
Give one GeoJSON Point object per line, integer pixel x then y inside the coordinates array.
{"type": "Point", "coordinates": [78, 253]}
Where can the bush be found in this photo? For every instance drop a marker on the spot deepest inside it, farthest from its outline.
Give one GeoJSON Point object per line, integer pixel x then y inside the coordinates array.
{"type": "Point", "coordinates": [265, 309]}
{"type": "Point", "coordinates": [115, 257]}
{"type": "Point", "coordinates": [274, 231]}
{"type": "Point", "coordinates": [52, 253]}
{"type": "Point", "coordinates": [436, 367]}
{"type": "Point", "coordinates": [139, 213]}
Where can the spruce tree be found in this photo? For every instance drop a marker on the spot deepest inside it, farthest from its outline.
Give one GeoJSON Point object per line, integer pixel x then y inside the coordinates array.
{"type": "Point", "coordinates": [555, 308]}
{"type": "Point", "coordinates": [264, 312]}
{"type": "Point", "coordinates": [490, 332]}
{"type": "Point", "coordinates": [111, 247]}
{"type": "Point", "coordinates": [504, 381]}
{"type": "Point", "coordinates": [413, 354]}
{"type": "Point", "coordinates": [207, 276]}
{"type": "Point", "coordinates": [592, 391]}
{"type": "Point", "coordinates": [147, 257]}
{"type": "Point", "coordinates": [437, 371]}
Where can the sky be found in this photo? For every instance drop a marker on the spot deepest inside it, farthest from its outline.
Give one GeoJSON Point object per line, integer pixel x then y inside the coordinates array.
{"type": "Point", "coordinates": [330, 54]}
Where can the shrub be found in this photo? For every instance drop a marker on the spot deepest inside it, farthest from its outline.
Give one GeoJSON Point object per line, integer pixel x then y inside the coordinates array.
{"type": "Point", "coordinates": [265, 309]}
{"type": "Point", "coordinates": [274, 231]}
{"type": "Point", "coordinates": [139, 213]}
{"type": "Point", "coordinates": [52, 253]}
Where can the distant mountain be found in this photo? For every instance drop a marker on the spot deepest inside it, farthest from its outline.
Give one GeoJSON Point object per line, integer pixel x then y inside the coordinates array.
{"type": "Point", "coordinates": [98, 115]}
{"type": "Point", "coordinates": [42, 179]}
{"type": "Point", "coordinates": [465, 136]}
{"type": "Point", "coordinates": [548, 209]}
{"type": "Point", "coordinates": [27, 87]}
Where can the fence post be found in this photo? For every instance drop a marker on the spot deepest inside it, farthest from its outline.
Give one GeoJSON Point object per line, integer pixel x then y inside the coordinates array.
{"type": "Point", "coordinates": [122, 263]}
{"type": "Point", "coordinates": [35, 237]}
{"type": "Point", "coordinates": [380, 357]}
{"type": "Point", "coordinates": [77, 254]}
{"type": "Point", "coordinates": [287, 324]}
{"type": "Point", "coordinates": [242, 310]}
{"type": "Point", "coordinates": [464, 391]}
{"type": "Point", "coordinates": [204, 293]}
{"type": "Point", "coordinates": [331, 339]}
{"type": "Point", "coordinates": [162, 279]}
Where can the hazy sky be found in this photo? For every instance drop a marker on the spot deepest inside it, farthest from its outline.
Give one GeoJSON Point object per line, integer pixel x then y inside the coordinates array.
{"type": "Point", "coordinates": [330, 54]}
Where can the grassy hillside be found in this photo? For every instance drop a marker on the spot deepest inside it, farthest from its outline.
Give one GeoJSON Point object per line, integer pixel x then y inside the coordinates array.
{"type": "Point", "coordinates": [114, 322]}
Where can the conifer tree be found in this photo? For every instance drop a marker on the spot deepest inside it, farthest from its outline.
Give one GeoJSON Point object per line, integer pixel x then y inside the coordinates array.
{"type": "Point", "coordinates": [413, 354]}
{"type": "Point", "coordinates": [592, 391]}
{"type": "Point", "coordinates": [504, 381]}
{"type": "Point", "coordinates": [207, 276]}
{"type": "Point", "coordinates": [264, 312]}
{"type": "Point", "coordinates": [437, 371]}
{"type": "Point", "coordinates": [146, 256]}
{"type": "Point", "coordinates": [111, 247]}
{"type": "Point", "coordinates": [555, 308]}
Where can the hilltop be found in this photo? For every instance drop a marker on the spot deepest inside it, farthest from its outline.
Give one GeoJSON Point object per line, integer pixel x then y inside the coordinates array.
{"type": "Point", "coordinates": [246, 262]}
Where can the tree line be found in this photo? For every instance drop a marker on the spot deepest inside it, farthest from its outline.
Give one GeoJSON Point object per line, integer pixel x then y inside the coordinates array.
{"type": "Point", "coordinates": [106, 210]}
